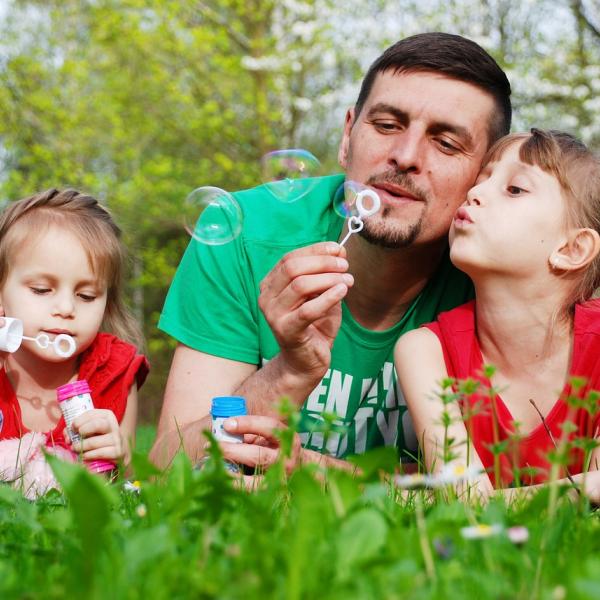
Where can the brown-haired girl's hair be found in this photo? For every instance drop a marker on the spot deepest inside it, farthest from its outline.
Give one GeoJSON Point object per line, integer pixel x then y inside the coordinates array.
{"type": "Point", "coordinates": [98, 233]}
{"type": "Point", "coordinates": [577, 170]}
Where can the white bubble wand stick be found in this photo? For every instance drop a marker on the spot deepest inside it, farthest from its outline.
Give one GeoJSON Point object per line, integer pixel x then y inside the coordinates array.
{"type": "Point", "coordinates": [355, 222]}
{"type": "Point", "coordinates": [11, 337]}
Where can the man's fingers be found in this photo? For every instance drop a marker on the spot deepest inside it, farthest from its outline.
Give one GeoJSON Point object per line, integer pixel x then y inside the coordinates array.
{"type": "Point", "coordinates": [318, 258]}
{"type": "Point", "coordinates": [249, 454]}
{"type": "Point", "coordinates": [314, 309]}
{"type": "Point", "coordinates": [256, 424]}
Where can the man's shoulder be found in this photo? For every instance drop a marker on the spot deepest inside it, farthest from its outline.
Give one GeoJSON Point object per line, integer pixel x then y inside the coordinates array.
{"type": "Point", "coordinates": [270, 217]}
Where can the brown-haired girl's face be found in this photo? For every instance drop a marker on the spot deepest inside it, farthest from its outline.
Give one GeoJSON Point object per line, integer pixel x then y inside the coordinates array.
{"type": "Point", "coordinates": [52, 288]}
{"type": "Point", "coordinates": [514, 217]}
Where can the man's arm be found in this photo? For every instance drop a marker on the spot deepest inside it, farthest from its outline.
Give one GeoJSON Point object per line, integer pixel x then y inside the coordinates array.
{"type": "Point", "coordinates": [194, 379]}
{"type": "Point", "coordinates": [300, 298]}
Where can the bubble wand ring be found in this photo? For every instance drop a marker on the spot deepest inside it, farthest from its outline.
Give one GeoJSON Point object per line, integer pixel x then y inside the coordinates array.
{"type": "Point", "coordinates": [63, 344]}
{"type": "Point", "coordinates": [356, 223]}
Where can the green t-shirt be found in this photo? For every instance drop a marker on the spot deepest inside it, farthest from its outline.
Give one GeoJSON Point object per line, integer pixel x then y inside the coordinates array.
{"type": "Point", "coordinates": [212, 306]}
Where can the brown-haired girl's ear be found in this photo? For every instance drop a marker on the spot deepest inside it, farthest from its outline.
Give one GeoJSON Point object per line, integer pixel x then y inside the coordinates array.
{"type": "Point", "coordinates": [582, 247]}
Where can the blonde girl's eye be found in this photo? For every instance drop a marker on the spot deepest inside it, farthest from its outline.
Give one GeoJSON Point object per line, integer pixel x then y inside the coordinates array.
{"type": "Point", "coordinates": [39, 291]}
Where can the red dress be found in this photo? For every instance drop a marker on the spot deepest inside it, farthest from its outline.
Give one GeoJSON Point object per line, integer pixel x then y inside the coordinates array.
{"type": "Point", "coordinates": [527, 454]}
{"type": "Point", "coordinates": [109, 365]}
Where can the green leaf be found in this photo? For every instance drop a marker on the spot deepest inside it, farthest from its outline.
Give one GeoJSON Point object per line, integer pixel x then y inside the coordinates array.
{"type": "Point", "coordinates": [382, 459]}
{"type": "Point", "coordinates": [360, 539]}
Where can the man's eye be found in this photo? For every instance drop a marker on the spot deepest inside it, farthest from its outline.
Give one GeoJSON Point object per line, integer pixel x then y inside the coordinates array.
{"type": "Point", "coordinates": [447, 146]}
{"type": "Point", "coordinates": [386, 126]}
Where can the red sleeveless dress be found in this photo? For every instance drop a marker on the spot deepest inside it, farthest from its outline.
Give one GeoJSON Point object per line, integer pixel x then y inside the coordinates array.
{"type": "Point", "coordinates": [110, 365]}
{"type": "Point", "coordinates": [525, 455]}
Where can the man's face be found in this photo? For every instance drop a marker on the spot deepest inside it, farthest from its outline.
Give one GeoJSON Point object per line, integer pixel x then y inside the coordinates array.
{"type": "Point", "coordinates": [418, 141]}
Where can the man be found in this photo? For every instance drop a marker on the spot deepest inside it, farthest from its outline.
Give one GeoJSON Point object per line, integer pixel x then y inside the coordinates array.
{"type": "Point", "coordinates": [263, 316]}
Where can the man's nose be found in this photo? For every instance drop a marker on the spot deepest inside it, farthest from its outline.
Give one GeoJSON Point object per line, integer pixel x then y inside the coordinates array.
{"type": "Point", "coordinates": [406, 153]}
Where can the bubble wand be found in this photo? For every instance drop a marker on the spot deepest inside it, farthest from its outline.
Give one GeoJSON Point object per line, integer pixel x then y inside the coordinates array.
{"type": "Point", "coordinates": [355, 222]}
{"type": "Point", "coordinates": [11, 337]}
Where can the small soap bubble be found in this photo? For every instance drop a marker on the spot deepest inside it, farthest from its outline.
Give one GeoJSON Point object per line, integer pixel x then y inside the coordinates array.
{"type": "Point", "coordinates": [212, 216]}
{"type": "Point", "coordinates": [289, 174]}
{"type": "Point", "coordinates": [345, 197]}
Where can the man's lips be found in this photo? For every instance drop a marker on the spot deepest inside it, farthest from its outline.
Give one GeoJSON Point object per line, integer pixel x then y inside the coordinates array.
{"type": "Point", "coordinates": [462, 217]}
{"type": "Point", "coordinates": [395, 192]}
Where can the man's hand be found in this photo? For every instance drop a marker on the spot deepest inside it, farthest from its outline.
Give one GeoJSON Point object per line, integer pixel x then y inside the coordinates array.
{"type": "Point", "coordinates": [261, 445]}
{"type": "Point", "coordinates": [300, 299]}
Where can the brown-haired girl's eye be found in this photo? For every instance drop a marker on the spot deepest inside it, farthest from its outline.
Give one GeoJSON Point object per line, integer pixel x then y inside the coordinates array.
{"type": "Point", "coordinates": [87, 297]}
{"type": "Point", "coordinates": [515, 190]}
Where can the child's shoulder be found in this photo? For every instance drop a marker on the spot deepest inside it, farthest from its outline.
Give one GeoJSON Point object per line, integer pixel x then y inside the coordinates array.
{"type": "Point", "coordinates": [587, 317]}
{"type": "Point", "coordinates": [110, 357]}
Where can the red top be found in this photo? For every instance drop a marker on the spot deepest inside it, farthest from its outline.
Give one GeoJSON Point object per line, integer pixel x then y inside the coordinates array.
{"type": "Point", "coordinates": [456, 331]}
{"type": "Point", "coordinates": [110, 366]}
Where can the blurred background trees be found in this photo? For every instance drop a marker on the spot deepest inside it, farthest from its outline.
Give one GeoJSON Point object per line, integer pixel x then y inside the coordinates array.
{"type": "Point", "coordinates": [141, 101]}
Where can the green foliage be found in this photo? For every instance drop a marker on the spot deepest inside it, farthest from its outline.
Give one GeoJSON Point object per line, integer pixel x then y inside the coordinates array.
{"type": "Point", "coordinates": [191, 533]}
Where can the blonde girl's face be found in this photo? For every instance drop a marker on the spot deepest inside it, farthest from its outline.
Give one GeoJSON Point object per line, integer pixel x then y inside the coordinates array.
{"type": "Point", "coordinates": [51, 287]}
{"type": "Point", "coordinates": [514, 217]}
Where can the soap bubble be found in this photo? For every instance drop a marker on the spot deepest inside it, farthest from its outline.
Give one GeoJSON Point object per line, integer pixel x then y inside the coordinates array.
{"type": "Point", "coordinates": [345, 199]}
{"type": "Point", "coordinates": [286, 173]}
{"type": "Point", "coordinates": [212, 216]}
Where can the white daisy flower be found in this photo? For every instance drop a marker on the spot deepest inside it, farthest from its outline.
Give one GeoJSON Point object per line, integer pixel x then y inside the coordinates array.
{"type": "Point", "coordinates": [132, 486]}
{"type": "Point", "coordinates": [481, 531]}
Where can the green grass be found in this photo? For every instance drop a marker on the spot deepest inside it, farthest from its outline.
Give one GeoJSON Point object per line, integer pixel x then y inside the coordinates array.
{"type": "Point", "coordinates": [193, 534]}
{"type": "Point", "coordinates": [144, 438]}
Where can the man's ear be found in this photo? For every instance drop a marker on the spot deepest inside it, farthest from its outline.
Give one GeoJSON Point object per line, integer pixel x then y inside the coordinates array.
{"type": "Point", "coordinates": [581, 248]}
{"type": "Point", "coordinates": [345, 143]}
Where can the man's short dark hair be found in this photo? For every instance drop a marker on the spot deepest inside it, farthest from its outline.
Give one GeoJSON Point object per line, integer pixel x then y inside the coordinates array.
{"type": "Point", "coordinates": [453, 56]}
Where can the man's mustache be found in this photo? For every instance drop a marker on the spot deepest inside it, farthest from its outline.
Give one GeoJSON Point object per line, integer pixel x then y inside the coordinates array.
{"type": "Point", "coordinates": [401, 179]}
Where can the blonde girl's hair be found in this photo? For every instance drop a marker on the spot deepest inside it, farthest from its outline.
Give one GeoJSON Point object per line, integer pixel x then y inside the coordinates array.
{"type": "Point", "coordinates": [99, 235]}
{"type": "Point", "coordinates": [577, 170]}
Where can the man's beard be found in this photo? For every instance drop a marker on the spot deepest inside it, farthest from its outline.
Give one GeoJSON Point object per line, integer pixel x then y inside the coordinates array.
{"type": "Point", "coordinates": [384, 235]}
{"type": "Point", "coordinates": [387, 232]}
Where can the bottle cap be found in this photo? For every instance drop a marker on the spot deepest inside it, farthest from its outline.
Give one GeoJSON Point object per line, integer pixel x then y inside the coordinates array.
{"type": "Point", "coordinates": [64, 392]}
{"type": "Point", "coordinates": [11, 335]}
{"type": "Point", "coordinates": [228, 406]}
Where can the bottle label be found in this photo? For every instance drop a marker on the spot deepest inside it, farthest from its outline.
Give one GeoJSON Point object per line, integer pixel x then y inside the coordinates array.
{"type": "Point", "coordinates": [72, 408]}
{"type": "Point", "coordinates": [223, 436]}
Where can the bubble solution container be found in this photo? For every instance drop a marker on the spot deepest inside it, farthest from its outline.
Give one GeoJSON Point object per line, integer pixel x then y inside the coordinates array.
{"type": "Point", "coordinates": [222, 408]}
{"type": "Point", "coordinates": [74, 399]}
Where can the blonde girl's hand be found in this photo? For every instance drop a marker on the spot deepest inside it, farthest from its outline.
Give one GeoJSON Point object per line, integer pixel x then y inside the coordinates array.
{"type": "Point", "coordinates": [101, 437]}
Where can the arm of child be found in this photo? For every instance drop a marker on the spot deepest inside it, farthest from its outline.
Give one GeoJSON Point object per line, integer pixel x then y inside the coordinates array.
{"type": "Point", "coordinates": [103, 437]}
{"type": "Point", "coordinates": [421, 369]}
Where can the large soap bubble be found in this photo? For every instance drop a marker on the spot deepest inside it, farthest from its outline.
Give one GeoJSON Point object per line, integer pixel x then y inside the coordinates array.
{"type": "Point", "coordinates": [212, 216]}
{"type": "Point", "coordinates": [346, 196]}
{"type": "Point", "coordinates": [286, 173]}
